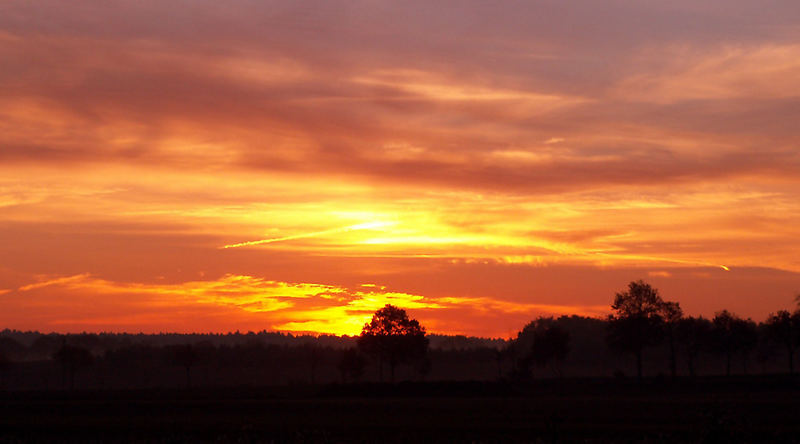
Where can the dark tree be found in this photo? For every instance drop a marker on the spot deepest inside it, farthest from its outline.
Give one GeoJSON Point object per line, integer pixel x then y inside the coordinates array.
{"type": "Point", "coordinates": [186, 357]}
{"type": "Point", "coordinates": [733, 335]}
{"type": "Point", "coordinates": [423, 366]}
{"type": "Point", "coordinates": [766, 349]}
{"type": "Point", "coordinates": [499, 356]}
{"type": "Point", "coordinates": [351, 365]}
{"type": "Point", "coordinates": [543, 342]}
{"type": "Point", "coordinates": [313, 355]}
{"type": "Point", "coordinates": [723, 336]}
{"type": "Point", "coordinates": [393, 338]}
{"type": "Point", "coordinates": [692, 334]}
{"type": "Point", "coordinates": [72, 358]}
{"type": "Point", "coordinates": [550, 345]}
{"type": "Point", "coordinates": [12, 349]}
{"type": "Point", "coordinates": [5, 363]}
{"type": "Point", "coordinates": [745, 333]}
{"type": "Point", "coordinates": [672, 314]}
{"type": "Point", "coordinates": [46, 346]}
{"type": "Point", "coordinates": [784, 329]}
{"type": "Point", "coordinates": [637, 321]}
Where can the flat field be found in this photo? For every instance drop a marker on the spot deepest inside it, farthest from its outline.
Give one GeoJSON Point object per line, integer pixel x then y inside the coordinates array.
{"type": "Point", "coordinates": [740, 410]}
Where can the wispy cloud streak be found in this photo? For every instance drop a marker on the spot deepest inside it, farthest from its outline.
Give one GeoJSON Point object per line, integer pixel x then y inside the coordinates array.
{"type": "Point", "coordinates": [363, 226]}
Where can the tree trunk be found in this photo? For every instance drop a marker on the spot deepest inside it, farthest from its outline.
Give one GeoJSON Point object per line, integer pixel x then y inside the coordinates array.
{"type": "Point", "coordinates": [188, 376]}
{"type": "Point", "coordinates": [690, 363]}
{"type": "Point", "coordinates": [673, 364]}
{"type": "Point", "coordinates": [639, 365]}
{"type": "Point", "coordinates": [728, 364]}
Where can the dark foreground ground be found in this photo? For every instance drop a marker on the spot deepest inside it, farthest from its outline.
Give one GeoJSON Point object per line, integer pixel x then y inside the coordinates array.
{"type": "Point", "coordinates": [764, 409]}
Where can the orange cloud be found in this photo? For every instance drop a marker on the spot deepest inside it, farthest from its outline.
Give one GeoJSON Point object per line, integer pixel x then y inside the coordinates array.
{"type": "Point", "coordinates": [298, 307]}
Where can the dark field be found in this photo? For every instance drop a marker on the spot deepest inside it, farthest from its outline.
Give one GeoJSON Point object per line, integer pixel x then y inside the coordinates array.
{"type": "Point", "coordinates": [715, 410]}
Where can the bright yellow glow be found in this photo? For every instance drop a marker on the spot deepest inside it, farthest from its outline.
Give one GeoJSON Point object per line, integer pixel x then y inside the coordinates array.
{"type": "Point", "coordinates": [295, 307]}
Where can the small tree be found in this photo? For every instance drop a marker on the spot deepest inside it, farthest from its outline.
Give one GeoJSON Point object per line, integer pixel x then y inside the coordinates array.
{"type": "Point", "coordinates": [692, 334]}
{"type": "Point", "coordinates": [10, 351]}
{"type": "Point", "coordinates": [185, 356]}
{"type": "Point", "coordinates": [550, 345]}
{"type": "Point", "coordinates": [5, 363]}
{"type": "Point", "coordinates": [351, 365]}
{"type": "Point", "coordinates": [393, 338]}
{"type": "Point", "coordinates": [423, 366]}
{"type": "Point", "coordinates": [745, 333]}
{"type": "Point", "coordinates": [542, 342]}
{"type": "Point", "coordinates": [733, 335]}
{"type": "Point", "coordinates": [313, 355]}
{"type": "Point", "coordinates": [672, 314]}
{"type": "Point", "coordinates": [784, 329]}
{"type": "Point", "coordinates": [724, 342]}
{"type": "Point", "coordinates": [637, 321]}
{"type": "Point", "coordinates": [71, 359]}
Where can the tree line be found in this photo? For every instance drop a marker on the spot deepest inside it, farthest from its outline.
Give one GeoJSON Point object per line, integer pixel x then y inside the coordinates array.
{"type": "Point", "coordinates": [644, 334]}
{"type": "Point", "coordinates": [642, 320]}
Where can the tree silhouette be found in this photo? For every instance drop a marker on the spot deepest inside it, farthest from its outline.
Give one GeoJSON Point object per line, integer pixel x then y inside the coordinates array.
{"type": "Point", "coordinates": [45, 346]}
{"type": "Point", "coordinates": [545, 343]}
{"type": "Point", "coordinates": [12, 349]}
{"type": "Point", "coordinates": [351, 365]}
{"type": "Point", "coordinates": [5, 363]}
{"type": "Point", "coordinates": [392, 337]}
{"type": "Point", "coordinates": [423, 367]}
{"type": "Point", "coordinates": [784, 328]}
{"type": "Point", "coordinates": [692, 334]}
{"type": "Point", "coordinates": [499, 356]}
{"type": "Point", "coordinates": [766, 348]}
{"type": "Point", "coordinates": [71, 358]}
{"type": "Point", "coordinates": [550, 345]}
{"type": "Point", "coordinates": [185, 356]}
{"type": "Point", "coordinates": [637, 321]}
{"type": "Point", "coordinates": [672, 314]}
{"type": "Point", "coordinates": [723, 336]}
{"type": "Point", "coordinates": [733, 335]}
{"type": "Point", "coordinates": [313, 355]}
{"type": "Point", "coordinates": [745, 333]}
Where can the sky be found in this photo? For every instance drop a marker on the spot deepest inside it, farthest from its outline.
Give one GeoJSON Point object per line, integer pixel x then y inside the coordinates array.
{"type": "Point", "coordinates": [294, 166]}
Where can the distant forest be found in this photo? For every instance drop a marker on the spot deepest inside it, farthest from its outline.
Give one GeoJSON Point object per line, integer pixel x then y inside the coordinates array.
{"type": "Point", "coordinates": [644, 337]}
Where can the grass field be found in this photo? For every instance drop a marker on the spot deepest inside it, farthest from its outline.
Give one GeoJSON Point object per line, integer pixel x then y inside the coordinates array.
{"type": "Point", "coordinates": [743, 410]}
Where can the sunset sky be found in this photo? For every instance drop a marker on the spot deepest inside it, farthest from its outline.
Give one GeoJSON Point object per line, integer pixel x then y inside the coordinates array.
{"type": "Point", "coordinates": [295, 165]}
